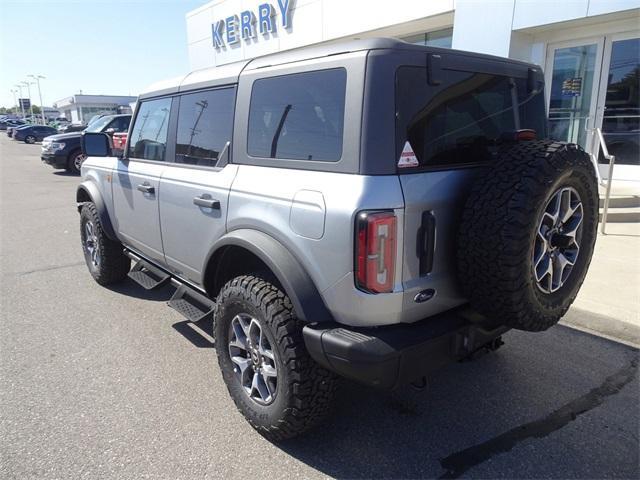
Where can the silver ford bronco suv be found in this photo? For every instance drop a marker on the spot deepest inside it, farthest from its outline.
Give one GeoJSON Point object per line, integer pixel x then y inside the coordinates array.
{"type": "Point", "coordinates": [369, 210]}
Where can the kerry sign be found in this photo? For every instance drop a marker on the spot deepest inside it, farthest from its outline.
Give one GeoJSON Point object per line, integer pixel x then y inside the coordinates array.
{"type": "Point", "coordinates": [248, 24]}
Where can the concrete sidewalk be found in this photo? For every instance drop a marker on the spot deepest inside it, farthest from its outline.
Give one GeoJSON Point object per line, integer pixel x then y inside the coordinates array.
{"type": "Point", "coordinates": [609, 302]}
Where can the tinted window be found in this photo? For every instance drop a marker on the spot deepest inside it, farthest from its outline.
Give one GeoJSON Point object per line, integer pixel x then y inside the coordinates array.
{"type": "Point", "coordinates": [98, 124]}
{"type": "Point", "coordinates": [149, 135]}
{"type": "Point", "coordinates": [205, 122]}
{"type": "Point", "coordinates": [462, 120]}
{"type": "Point", "coordinates": [299, 116]}
{"type": "Point", "coordinates": [120, 124]}
{"type": "Point", "coordinates": [439, 38]}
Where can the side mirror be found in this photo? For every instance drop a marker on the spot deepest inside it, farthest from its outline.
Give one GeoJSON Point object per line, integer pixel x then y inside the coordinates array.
{"type": "Point", "coordinates": [96, 144]}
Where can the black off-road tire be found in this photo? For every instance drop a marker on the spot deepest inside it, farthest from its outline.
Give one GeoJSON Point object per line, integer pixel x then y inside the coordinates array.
{"type": "Point", "coordinates": [499, 226]}
{"type": "Point", "coordinates": [305, 391]}
{"type": "Point", "coordinates": [71, 162]}
{"type": "Point", "coordinates": [114, 264]}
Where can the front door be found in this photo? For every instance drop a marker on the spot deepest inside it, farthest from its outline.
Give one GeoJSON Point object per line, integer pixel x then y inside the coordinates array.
{"type": "Point", "coordinates": [136, 183]}
{"type": "Point", "coordinates": [573, 73]}
{"type": "Point", "coordinates": [618, 111]}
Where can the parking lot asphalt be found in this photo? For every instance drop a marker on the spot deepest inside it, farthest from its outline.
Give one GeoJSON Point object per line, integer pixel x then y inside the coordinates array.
{"type": "Point", "coordinates": [111, 383]}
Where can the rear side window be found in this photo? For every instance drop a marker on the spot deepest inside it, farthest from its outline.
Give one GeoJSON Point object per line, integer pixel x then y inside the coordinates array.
{"type": "Point", "coordinates": [148, 140]}
{"type": "Point", "coordinates": [462, 120]}
{"type": "Point", "coordinates": [205, 121]}
{"type": "Point", "coordinates": [298, 116]}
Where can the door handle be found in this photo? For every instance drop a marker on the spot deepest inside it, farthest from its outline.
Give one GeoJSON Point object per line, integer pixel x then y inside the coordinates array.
{"type": "Point", "coordinates": [146, 188]}
{"type": "Point", "coordinates": [207, 202]}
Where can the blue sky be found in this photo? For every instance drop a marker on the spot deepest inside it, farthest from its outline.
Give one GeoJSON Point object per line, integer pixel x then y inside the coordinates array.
{"type": "Point", "coordinates": [114, 47]}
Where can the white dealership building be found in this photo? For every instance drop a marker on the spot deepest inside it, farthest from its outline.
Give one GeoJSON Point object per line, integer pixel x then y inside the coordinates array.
{"type": "Point", "coordinates": [81, 108]}
{"type": "Point", "coordinates": [589, 49]}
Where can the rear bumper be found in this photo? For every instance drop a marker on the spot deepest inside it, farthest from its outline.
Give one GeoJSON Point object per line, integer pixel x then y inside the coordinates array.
{"type": "Point", "coordinates": [388, 357]}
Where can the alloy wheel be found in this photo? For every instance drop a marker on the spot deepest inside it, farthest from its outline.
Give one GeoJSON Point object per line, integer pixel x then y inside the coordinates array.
{"type": "Point", "coordinates": [557, 243]}
{"type": "Point", "coordinates": [78, 160]}
{"type": "Point", "coordinates": [253, 358]}
{"type": "Point", "coordinates": [91, 244]}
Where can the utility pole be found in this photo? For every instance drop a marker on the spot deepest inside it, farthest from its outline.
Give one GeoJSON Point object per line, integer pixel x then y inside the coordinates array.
{"type": "Point", "coordinates": [28, 84]}
{"type": "Point", "coordinates": [20, 99]}
{"type": "Point", "coordinates": [38, 77]}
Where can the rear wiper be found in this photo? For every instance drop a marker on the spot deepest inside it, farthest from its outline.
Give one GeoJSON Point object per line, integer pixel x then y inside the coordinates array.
{"type": "Point", "coordinates": [276, 135]}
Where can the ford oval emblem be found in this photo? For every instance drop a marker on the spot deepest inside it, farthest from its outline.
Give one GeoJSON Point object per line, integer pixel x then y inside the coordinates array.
{"type": "Point", "coordinates": [424, 295]}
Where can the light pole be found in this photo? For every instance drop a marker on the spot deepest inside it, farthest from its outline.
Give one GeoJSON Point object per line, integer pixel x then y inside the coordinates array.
{"type": "Point", "coordinates": [38, 77]}
{"type": "Point", "coordinates": [28, 84]}
{"type": "Point", "coordinates": [15, 104]}
{"type": "Point", "coordinates": [20, 99]}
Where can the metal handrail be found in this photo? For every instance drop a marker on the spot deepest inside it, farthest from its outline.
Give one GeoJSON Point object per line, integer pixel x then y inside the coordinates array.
{"type": "Point", "coordinates": [612, 161]}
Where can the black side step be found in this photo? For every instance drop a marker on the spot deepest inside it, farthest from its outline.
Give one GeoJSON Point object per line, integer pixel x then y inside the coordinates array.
{"type": "Point", "coordinates": [192, 305]}
{"type": "Point", "coordinates": [148, 276]}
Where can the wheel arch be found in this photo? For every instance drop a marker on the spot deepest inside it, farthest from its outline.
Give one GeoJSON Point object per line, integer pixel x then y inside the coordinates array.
{"type": "Point", "coordinates": [72, 151]}
{"type": "Point", "coordinates": [248, 249]}
{"type": "Point", "coordinates": [87, 191]}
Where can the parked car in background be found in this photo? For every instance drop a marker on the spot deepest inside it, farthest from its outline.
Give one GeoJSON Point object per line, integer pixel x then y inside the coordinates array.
{"type": "Point", "coordinates": [119, 141]}
{"type": "Point", "coordinates": [98, 116]}
{"type": "Point", "coordinates": [33, 133]}
{"type": "Point", "coordinates": [71, 127]}
{"type": "Point", "coordinates": [64, 151]}
{"type": "Point", "coordinates": [12, 129]}
{"type": "Point", "coordinates": [59, 122]}
{"type": "Point", "coordinates": [6, 123]}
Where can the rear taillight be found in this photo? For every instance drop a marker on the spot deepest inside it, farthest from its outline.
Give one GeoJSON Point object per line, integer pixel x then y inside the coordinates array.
{"type": "Point", "coordinates": [375, 251]}
{"type": "Point", "coordinates": [525, 135]}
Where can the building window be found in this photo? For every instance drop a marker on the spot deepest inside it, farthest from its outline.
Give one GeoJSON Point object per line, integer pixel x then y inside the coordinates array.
{"type": "Point", "coordinates": [87, 113]}
{"type": "Point", "coordinates": [438, 38]}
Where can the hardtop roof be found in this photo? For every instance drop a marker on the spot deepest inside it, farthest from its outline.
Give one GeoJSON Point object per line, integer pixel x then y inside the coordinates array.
{"type": "Point", "coordinates": [230, 73]}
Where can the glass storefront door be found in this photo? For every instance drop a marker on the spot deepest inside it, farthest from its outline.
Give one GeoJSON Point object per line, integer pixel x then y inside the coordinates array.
{"type": "Point", "coordinates": [572, 90]}
{"type": "Point", "coordinates": [619, 106]}
{"type": "Point", "coordinates": [596, 83]}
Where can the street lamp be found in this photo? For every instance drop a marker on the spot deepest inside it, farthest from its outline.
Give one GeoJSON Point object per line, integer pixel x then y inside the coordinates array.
{"type": "Point", "coordinates": [38, 77]}
{"type": "Point", "coordinates": [20, 99]}
{"type": "Point", "coordinates": [15, 104]}
{"type": "Point", "coordinates": [28, 84]}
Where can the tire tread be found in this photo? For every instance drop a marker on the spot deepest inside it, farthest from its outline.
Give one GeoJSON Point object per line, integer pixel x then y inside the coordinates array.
{"type": "Point", "coordinates": [496, 226]}
{"type": "Point", "coordinates": [311, 388]}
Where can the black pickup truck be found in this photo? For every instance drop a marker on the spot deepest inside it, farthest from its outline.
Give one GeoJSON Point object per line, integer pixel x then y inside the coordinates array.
{"type": "Point", "coordinates": [64, 151]}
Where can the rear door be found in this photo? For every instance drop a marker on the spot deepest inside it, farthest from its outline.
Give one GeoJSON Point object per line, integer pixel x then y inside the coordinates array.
{"type": "Point", "coordinates": [195, 185]}
{"type": "Point", "coordinates": [136, 181]}
{"type": "Point", "coordinates": [452, 130]}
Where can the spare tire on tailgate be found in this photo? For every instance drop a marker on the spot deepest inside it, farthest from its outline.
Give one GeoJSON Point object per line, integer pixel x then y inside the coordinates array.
{"type": "Point", "coordinates": [527, 234]}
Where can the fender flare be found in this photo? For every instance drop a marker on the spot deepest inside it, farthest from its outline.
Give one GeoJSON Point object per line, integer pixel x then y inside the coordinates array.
{"type": "Point", "coordinates": [295, 281]}
{"type": "Point", "coordinates": [90, 189]}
